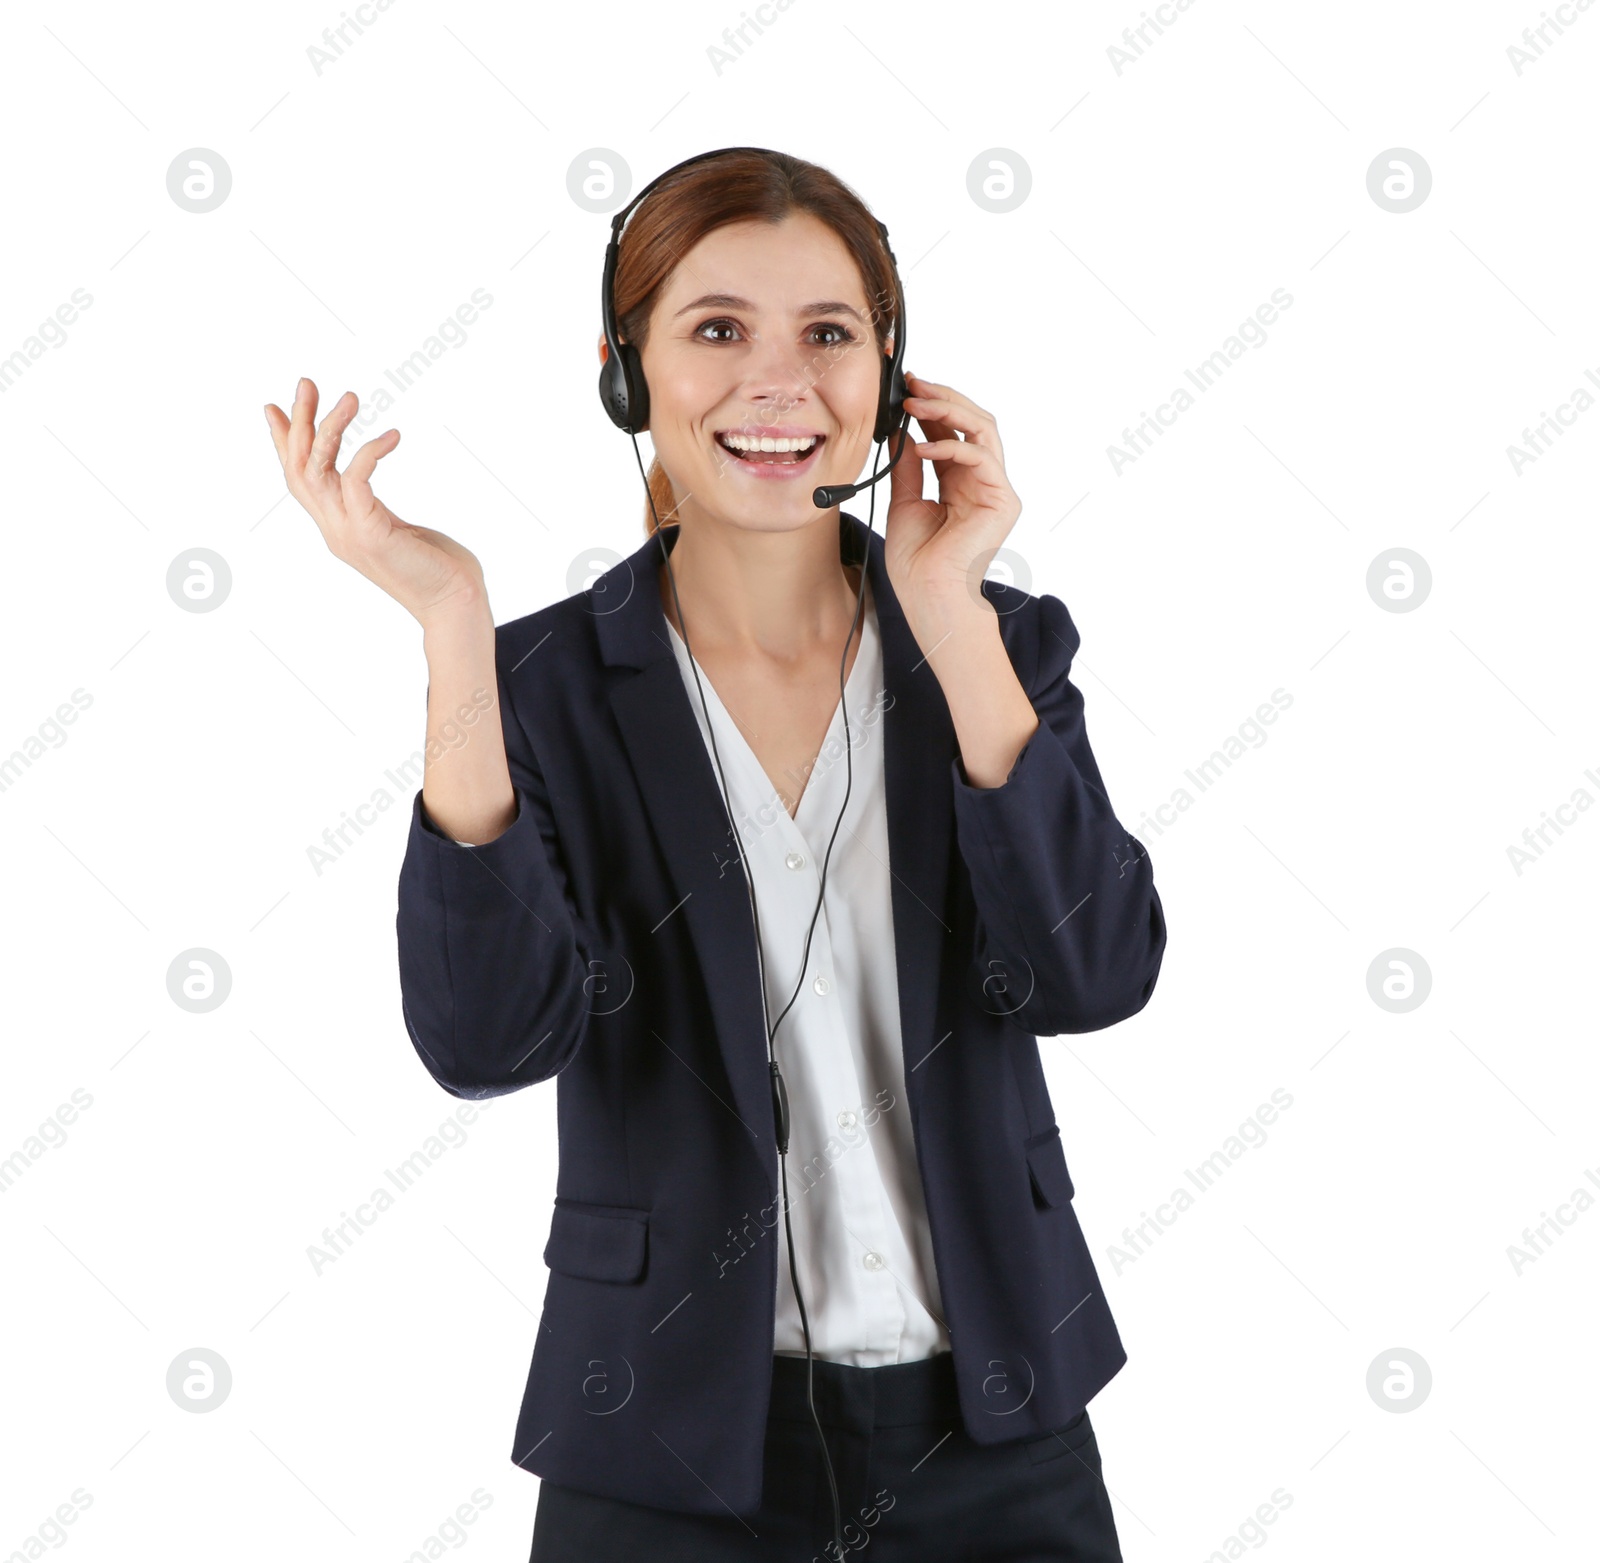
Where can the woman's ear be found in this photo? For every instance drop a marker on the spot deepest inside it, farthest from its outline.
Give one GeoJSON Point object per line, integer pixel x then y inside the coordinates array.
{"type": "Point", "coordinates": [603, 351]}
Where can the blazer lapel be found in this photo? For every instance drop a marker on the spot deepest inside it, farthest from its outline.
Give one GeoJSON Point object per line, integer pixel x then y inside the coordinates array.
{"type": "Point", "coordinates": [678, 784]}
{"type": "Point", "coordinates": [919, 743]}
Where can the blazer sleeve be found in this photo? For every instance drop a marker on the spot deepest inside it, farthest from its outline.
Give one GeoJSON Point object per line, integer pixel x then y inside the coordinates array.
{"type": "Point", "coordinates": [1070, 931]}
{"type": "Point", "coordinates": [495, 962]}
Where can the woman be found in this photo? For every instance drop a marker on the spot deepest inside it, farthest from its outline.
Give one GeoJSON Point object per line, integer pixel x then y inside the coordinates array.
{"type": "Point", "coordinates": [620, 872]}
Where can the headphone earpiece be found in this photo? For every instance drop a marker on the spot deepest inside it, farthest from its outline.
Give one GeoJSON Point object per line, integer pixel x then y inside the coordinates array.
{"type": "Point", "coordinates": [891, 397]}
{"type": "Point", "coordinates": [623, 391]}
{"type": "Point", "coordinates": [892, 384]}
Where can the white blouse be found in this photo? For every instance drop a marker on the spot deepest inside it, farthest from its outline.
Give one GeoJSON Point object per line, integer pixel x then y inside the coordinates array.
{"type": "Point", "coordinates": [855, 1194]}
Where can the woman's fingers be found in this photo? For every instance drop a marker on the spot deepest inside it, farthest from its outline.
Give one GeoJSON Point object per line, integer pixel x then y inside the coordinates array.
{"type": "Point", "coordinates": [309, 452]}
{"type": "Point", "coordinates": [944, 416]}
{"type": "Point", "coordinates": [934, 389]}
{"type": "Point", "coordinates": [278, 428]}
{"type": "Point", "coordinates": [300, 429]}
{"type": "Point", "coordinates": [308, 455]}
{"type": "Point", "coordinates": [970, 420]}
{"type": "Point", "coordinates": [358, 475]}
{"type": "Point", "coordinates": [325, 447]}
{"type": "Point", "coordinates": [954, 412]}
{"type": "Point", "coordinates": [965, 453]}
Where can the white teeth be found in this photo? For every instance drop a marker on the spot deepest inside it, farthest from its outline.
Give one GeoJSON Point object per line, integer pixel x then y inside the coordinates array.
{"type": "Point", "coordinates": [766, 442]}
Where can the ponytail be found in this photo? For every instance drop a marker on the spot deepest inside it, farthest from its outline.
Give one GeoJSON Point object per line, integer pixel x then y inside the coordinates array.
{"type": "Point", "coordinates": [666, 502]}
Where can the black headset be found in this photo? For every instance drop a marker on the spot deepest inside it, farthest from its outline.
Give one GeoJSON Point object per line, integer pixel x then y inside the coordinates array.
{"type": "Point", "coordinates": [626, 399]}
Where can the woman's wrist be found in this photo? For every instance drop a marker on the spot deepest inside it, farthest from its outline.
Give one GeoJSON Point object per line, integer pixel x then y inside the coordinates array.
{"type": "Point", "coordinates": [950, 618]}
{"type": "Point", "coordinates": [989, 709]}
{"type": "Point", "coordinates": [465, 622]}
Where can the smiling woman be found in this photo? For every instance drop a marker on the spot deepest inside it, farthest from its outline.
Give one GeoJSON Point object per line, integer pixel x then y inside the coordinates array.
{"type": "Point", "coordinates": [597, 890]}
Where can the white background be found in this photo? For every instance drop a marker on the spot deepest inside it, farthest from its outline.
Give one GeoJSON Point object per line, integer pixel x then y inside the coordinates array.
{"type": "Point", "coordinates": [1168, 201]}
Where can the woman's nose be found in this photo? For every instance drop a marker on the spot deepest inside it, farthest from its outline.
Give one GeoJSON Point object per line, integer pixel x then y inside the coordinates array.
{"type": "Point", "coordinates": [780, 370]}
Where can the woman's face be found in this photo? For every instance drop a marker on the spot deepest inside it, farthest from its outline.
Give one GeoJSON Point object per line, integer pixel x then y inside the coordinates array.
{"type": "Point", "coordinates": [764, 331]}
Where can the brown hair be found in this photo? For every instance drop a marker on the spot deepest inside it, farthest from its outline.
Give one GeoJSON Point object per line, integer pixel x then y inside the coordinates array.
{"type": "Point", "coordinates": [739, 186]}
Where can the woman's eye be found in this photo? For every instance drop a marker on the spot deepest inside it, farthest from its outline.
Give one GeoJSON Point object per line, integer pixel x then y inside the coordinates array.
{"type": "Point", "coordinates": [840, 333]}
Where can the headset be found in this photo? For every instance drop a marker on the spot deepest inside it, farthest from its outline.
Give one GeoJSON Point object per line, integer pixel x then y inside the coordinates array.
{"type": "Point", "coordinates": [626, 399]}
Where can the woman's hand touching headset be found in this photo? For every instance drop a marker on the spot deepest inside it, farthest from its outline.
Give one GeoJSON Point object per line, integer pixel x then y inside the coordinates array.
{"type": "Point", "coordinates": [937, 551]}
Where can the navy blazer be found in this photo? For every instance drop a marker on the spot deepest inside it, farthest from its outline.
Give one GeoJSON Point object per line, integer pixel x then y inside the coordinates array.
{"type": "Point", "coordinates": [605, 939]}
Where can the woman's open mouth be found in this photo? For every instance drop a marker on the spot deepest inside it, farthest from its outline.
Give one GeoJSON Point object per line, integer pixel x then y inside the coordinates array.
{"type": "Point", "coordinates": [770, 456]}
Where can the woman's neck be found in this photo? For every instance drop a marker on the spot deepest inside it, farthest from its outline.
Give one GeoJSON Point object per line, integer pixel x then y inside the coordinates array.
{"type": "Point", "coordinates": [783, 595]}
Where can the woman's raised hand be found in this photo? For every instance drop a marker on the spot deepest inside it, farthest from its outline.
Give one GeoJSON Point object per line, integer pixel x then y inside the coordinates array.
{"type": "Point", "coordinates": [430, 575]}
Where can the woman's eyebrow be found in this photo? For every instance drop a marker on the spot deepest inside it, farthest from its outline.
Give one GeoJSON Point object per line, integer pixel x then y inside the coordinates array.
{"type": "Point", "coordinates": [731, 301]}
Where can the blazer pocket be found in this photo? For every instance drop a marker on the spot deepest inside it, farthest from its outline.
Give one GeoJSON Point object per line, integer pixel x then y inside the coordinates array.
{"type": "Point", "coordinates": [597, 1242]}
{"type": "Point", "coordinates": [1047, 1166]}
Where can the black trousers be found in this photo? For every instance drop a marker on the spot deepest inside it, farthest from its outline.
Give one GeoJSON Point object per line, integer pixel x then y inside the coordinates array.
{"type": "Point", "coordinates": [913, 1487]}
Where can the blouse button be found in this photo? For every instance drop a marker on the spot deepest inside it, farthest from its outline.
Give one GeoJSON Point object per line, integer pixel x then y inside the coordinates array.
{"type": "Point", "coordinates": [847, 1119]}
{"type": "Point", "coordinates": [795, 860]}
{"type": "Point", "coordinates": [872, 1261]}
{"type": "Point", "coordinates": [820, 985]}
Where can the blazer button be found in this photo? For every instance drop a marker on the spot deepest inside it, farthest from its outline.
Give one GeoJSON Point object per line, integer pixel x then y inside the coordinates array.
{"type": "Point", "coordinates": [820, 985]}
{"type": "Point", "coordinates": [795, 860]}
